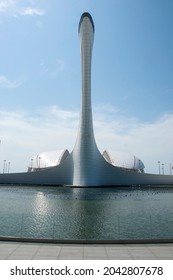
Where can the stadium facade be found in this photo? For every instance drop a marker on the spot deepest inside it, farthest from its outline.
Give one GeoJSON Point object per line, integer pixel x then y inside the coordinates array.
{"type": "Point", "coordinates": [85, 166]}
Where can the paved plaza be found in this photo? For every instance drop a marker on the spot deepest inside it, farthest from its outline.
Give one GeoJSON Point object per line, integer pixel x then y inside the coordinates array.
{"type": "Point", "coordinates": [42, 251]}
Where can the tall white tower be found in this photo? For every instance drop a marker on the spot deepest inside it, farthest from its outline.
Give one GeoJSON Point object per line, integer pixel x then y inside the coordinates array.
{"type": "Point", "coordinates": [86, 155]}
{"type": "Point", "coordinates": [85, 166]}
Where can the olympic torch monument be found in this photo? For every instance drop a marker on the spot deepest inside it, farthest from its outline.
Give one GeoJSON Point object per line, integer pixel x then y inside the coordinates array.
{"type": "Point", "coordinates": [85, 166]}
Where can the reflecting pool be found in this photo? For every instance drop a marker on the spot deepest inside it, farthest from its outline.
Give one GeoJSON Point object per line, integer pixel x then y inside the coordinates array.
{"type": "Point", "coordinates": [86, 213]}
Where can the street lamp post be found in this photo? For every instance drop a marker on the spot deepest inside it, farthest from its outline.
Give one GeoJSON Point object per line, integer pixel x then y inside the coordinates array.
{"type": "Point", "coordinates": [170, 168]}
{"type": "Point", "coordinates": [31, 164]}
{"type": "Point", "coordinates": [163, 168]}
{"type": "Point", "coordinates": [39, 162]}
{"type": "Point", "coordinates": [159, 166]}
{"type": "Point", "coordinates": [4, 165]}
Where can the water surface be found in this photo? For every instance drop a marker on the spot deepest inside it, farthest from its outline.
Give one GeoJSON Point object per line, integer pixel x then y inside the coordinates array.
{"type": "Point", "coordinates": [86, 213]}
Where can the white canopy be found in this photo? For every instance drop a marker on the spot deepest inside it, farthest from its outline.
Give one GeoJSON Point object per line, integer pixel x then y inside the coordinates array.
{"type": "Point", "coordinates": [122, 159]}
{"type": "Point", "coordinates": [51, 158]}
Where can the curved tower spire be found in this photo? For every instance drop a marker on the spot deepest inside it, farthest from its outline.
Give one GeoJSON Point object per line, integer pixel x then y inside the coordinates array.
{"type": "Point", "coordinates": [86, 36]}
{"type": "Point", "coordinates": [86, 154]}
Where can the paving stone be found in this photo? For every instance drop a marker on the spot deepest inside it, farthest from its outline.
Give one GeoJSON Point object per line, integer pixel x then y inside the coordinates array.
{"type": "Point", "coordinates": [26, 251]}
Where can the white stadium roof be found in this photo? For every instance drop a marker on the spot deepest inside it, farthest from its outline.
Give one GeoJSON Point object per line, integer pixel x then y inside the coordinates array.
{"type": "Point", "coordinates": [51, 158]}
{"type": "Point", "coordinates": [125, 160]}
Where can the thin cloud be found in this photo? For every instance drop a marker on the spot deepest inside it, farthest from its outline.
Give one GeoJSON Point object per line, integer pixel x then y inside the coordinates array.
{"type": "Point", "coordinates": [8, 84]}
{"type": "Point", "coordinates": [24, 135]}
{"type": "Point", "coordinates": [16, 8]}
{"type": "Point", "coordinates": [152, 141]}
{"type": "Point", "coordinates": [30, 11]}
{"type": "Point", "coordinates": [6, 5]}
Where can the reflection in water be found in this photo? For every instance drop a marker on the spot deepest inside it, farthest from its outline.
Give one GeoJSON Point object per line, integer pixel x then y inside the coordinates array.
{"type": "Point", "coordinates": [80, 213]}
{"type": "Point", "coordinates": [40, 204]}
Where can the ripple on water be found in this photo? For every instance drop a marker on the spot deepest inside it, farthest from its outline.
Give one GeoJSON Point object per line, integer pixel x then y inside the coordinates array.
{"type": "Point", "coordinates": [81, 213]}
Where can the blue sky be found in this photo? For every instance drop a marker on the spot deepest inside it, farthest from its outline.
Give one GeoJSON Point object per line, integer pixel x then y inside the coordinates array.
{"type": "Point", "coordinates": [132, 78]}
